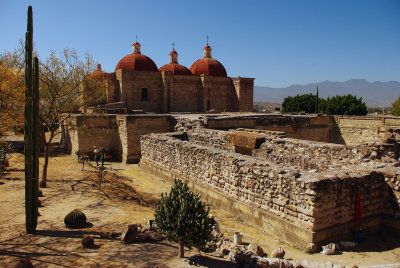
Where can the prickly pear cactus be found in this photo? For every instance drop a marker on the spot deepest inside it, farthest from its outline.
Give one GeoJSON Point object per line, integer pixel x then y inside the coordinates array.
{"type": "Point", "coordinates": [75, 219]}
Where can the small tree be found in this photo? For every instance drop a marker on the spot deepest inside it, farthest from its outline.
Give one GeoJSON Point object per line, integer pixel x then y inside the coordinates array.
{"type": "Point", "coordinates": [396, 107]}
{"type": "Point", "coordinates": [183, 218]}
{"type": "Point", "coordinates": [12, 90]}
{"type": "Point", "coordinates": [61, 87]}
{"type": "Point", "coordinates": [61, 79]}
{"type": "Point", "coordinates": [301, 103]}
{"type": "Point", "coordinates": [346, 105]}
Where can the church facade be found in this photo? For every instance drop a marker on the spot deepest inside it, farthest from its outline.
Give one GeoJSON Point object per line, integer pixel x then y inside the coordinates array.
{"type": "Point", "coordinates": [138, 84]}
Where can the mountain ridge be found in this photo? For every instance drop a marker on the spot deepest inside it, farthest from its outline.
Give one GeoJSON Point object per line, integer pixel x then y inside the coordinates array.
{"type": "Point", "coordinates": [374, 94]}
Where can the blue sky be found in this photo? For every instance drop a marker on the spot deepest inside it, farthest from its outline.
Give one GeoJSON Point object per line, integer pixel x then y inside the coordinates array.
{"type": "Point", "coordinates": [280, 43]}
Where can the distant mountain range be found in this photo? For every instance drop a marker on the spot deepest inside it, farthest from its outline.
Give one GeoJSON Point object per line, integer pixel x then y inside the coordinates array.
{"type": "Point", "coordinates": [375, 94]}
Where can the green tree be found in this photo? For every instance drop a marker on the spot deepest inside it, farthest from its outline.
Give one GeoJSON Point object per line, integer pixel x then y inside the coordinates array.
{"type": "Point", "coordinates": [396, 107]}
{"type": "Point", "coordinates": [183, 218]}
{"type": "Point", "coordinates": [346, 105]}
{"type": "Point", "coordinates": [302, 103]}
{"type": "Point", "coordinates": [340, 105]}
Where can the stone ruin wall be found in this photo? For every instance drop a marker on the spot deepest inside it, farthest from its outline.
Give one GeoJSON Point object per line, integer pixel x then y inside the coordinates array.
{"type": "Point", "coordinates": [357, 130]}
{"type": "Point", "coordinates": [131, 128]}
{"type": "Point", "coordinates": [317, 155]}
{"type": "Point", "coordinates": [313, 156]}
{"type": "Point", "coordinates": [305, 154]}
{"type": "Point", "coordinates": [118, 134]}
{"type": "Point", "coordinates": [318, 201]}
{"type": "Point", "coordinates": [320, 128]}
{"type": "Point", "coordinates": [81, 133]}
{"type": "Point", "coordinates": [350, 130]}
{"type": "Point", "coordinates": [210, 137]}
{"type": "Point", "coordinates": [305, 183]}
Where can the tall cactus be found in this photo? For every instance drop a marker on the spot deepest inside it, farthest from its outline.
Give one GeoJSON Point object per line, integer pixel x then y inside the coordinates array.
{"type": "Point", "coordinates": [316, 102]}
{"type": "Point", "coordinates": [31, 142]}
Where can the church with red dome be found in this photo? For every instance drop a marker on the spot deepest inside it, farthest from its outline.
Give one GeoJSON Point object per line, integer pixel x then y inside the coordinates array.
{"type": "Point", "coordinates": [138, 85]}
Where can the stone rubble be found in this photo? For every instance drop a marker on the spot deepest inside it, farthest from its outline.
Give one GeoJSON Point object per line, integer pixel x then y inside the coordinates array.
{"type": "Point", "coordinates": [136, 233]}
{"type": "Point", "coordinates": [254, 256]}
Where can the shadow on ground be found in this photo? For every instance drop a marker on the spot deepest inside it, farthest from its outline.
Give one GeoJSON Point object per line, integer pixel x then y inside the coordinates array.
{"type": "Point", "coordinates": [380, 242]}
{"type": "Point", "coordinates": [206, 261]}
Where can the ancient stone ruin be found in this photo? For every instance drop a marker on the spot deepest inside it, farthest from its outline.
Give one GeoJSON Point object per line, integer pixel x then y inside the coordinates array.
{"type": "Point", "coordinates": [297, 177]}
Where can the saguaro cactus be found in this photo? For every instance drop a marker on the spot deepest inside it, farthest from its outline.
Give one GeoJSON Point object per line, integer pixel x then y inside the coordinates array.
{"type": "Point", "coordinates": [31, 142]}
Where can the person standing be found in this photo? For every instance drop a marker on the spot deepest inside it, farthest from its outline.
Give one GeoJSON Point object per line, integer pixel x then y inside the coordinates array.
{"type": "Point", "coordinates": [96, 155]}
{"type": "Point", "coordinates": [102, 156]}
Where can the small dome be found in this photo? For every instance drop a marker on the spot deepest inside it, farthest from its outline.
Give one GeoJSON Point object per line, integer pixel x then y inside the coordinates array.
{"type": "Point", "coordinates": [175, 68]}
{"type": "Point", "coordinates": [173, 52]}
{"type": "Point", "coordinates": [208, 66]}
{"type": "Point", "coordinates": [97, 74]}
{"type": "Point", "coordinates": [137, 62]}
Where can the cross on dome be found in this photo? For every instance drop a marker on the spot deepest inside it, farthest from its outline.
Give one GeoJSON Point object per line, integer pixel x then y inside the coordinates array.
{"type": "Point", "coordinates": [173, 56]}
{"type": "Point", "coordinates": [136, 47]}
{"type": "Point", "coordinates": [207, 50]}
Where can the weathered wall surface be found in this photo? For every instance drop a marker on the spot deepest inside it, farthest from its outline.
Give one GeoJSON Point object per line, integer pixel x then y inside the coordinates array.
{"type": "Point", "coordinates": [219, 94]}
{"type": "Point", "coordinates": [320, 203]}
{"type": "Point", "coordinates": [185, 94]}
{"type": "Point", "coordinates": [208, 137]}
{"type": "Point", "coordinates": [131, 128]}
{"type": "Point", "coordinates": [86, 131]}
{"type": "Point", "coordinates": [392, 179]}
{"type": "Point", "coordinates": [315, 128]}
{"type": "Point", "coordinates": [363, 129]}
{"type": "Point", "coordinates": [112, 89]}
{"type": "Point", "coordinates": [244, 91]}
{"type": "Point", "coordinates": [118, 134]}
{"type": "Point", "coordinates": [307, 154]}
{"type": "Point", "coordinates": [131, 83]}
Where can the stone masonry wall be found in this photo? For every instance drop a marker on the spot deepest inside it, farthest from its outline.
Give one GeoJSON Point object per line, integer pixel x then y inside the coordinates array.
{"type": "Point", "coordinates": [364, 129]}
{"type": "Point", "coordinates": [314, 201]}
{"type": "Point", "coordinates": [392, 180]}
{"type": "Point", "coordinates": [86, 131]}
{"type": "Point", "coordinates": [208, 137]}
{"type": "Point", "coordinates": [315, 128]}
{"type": "Point", "coordinates": [185, 94]}
{"type": "Point", "coordinates": [133, 127]}
{"type": "Point", "coordinates": [131, 83]}
{"type": "Point", "coordinates": [306, 154]}
{"type": "Point", "coordinates": [118, 134]}
{"type": "Point", "coordinates": [219, 94]}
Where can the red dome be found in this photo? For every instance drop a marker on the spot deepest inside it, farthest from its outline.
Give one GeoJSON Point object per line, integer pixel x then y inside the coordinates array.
{"type": "Point", "coordinates": [97, 75]}
{"type": "Point", "coordinates": [208, 66]}
{"type": "Point", "coordinates": [137, 62]}
{"type": "Point", "coordinates": [175, 68]}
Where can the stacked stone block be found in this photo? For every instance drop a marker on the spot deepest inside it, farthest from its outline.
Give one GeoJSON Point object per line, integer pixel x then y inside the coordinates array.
{"type": "Point", "coordinates": [314, 200]}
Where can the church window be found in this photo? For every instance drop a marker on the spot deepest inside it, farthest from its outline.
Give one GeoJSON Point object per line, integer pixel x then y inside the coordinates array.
{"type": "Point", "coordinates": [144, 94]}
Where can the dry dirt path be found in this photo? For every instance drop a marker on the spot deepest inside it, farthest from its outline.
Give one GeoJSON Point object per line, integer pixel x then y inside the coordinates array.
{"type": "Point", "coordinates": [124, 199]}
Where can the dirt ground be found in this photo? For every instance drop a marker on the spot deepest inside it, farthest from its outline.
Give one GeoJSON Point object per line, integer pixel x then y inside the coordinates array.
{"type": "Point", "coordinates": [127, 195]}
